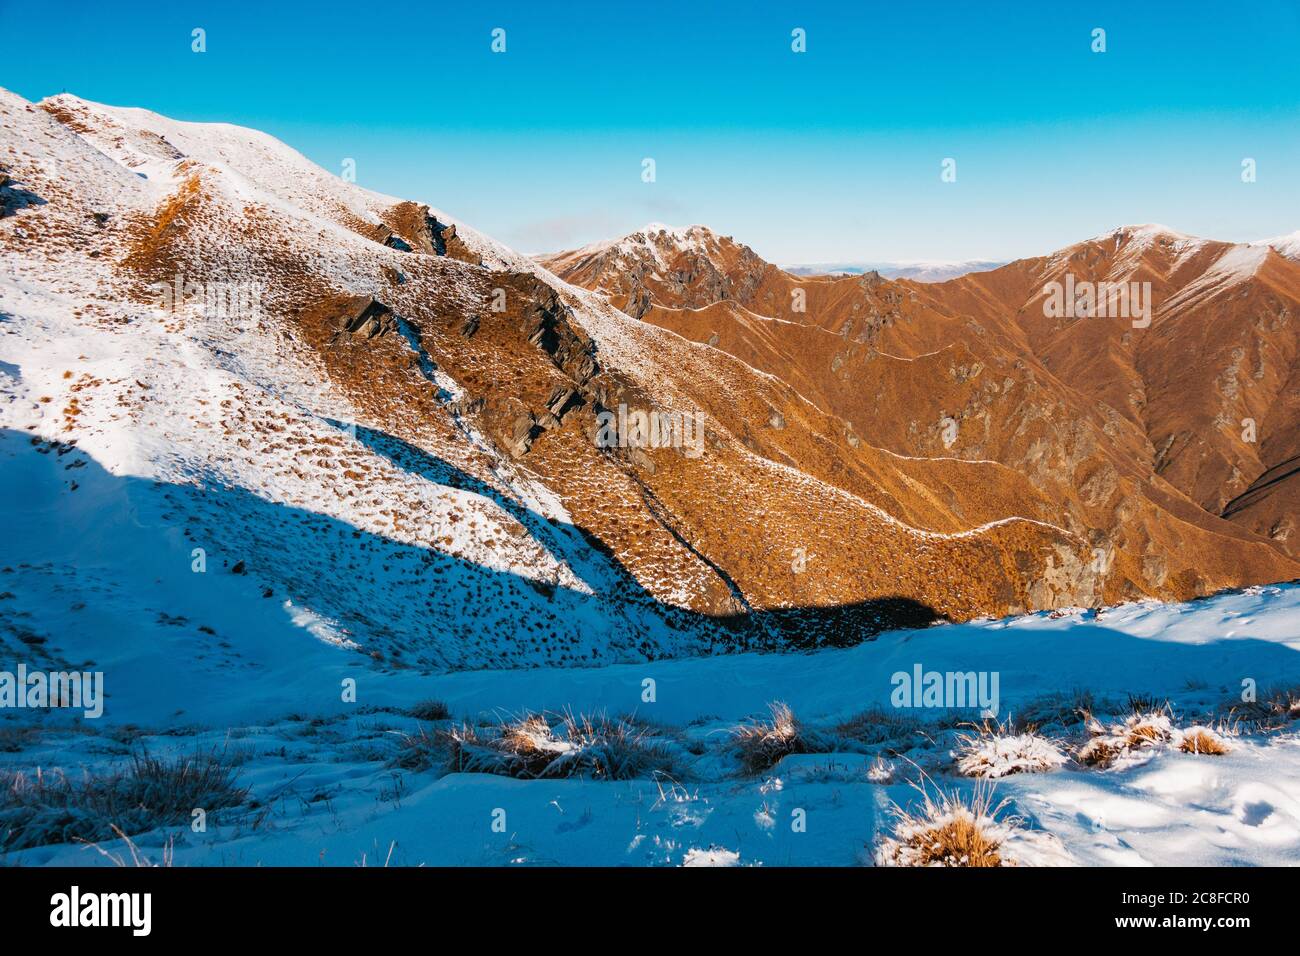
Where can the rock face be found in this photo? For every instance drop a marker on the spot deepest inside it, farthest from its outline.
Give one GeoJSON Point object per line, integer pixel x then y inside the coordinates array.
{"type": "Point", "coordinates": [365, 317]}
{"type": "Point", "coordinates": [412, 227]}
{"type": "Point", "coordinates": [508, 468]}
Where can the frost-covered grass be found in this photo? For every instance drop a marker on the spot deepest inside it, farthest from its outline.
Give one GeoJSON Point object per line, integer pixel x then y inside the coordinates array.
{"type": "Point", "coordinates": [998, 750]}
{"type": "Point", "coordinates": [1202, 740]}
{"type": "Point", "coordinates": [948, 829]}
{"type": "Point", "coordinates": [537, 746]}
{"type": "Point", "coordinates": [881, 771]}
{"type": "Point", "coordinates": [1140, 730]}
{"type": "Point", "coordinates": [42, 807]}
{"type": "Point", "coordinates": [761, 744]}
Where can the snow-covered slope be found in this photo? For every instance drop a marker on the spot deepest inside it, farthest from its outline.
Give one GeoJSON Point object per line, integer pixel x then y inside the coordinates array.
{"type": "Point", "coordinates": [276, 532]}
{"type": "Point", "coordinates": [336, 796]}
{"type": "Point", "coordinates": [1288, 245]}
{"type": "Point", "coordinates": [257, 167]}
{"type": "Point", "coordinates": [136, 430]}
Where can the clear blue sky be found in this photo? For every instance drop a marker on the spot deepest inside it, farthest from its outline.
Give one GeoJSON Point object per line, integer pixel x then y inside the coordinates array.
{"type": "Point", "coordinates": [833, 154]}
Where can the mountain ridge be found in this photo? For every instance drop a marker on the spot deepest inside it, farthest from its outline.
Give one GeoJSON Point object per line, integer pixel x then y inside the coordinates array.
{"type": "Point", "coordinates": [460, 441]}
{"type": "Point", "coordinates": [1191, 273]}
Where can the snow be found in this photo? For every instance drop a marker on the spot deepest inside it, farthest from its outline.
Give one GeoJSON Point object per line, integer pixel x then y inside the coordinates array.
{"type": "Point", "coordinates": [1288, 245]}
{"type": "Point", "coordinates": [655, 245]}
{"type": "Point", "coordinates": [1162, 807]}
{"type": "Point", "coordinates": [1130, 244]}
{"type": "Point", "coordinates": [1139, 237]}
{"type": "Point", "coordinates": [1148, 232]}
{"type": "Point", "coordinates": [259, 167]}
{"type": "Point", "coordinates": [194, 431]}
{"type": "Point", "coordinates": [1237, 264]}
{"type": "Point", "coordinates": [713, 856]}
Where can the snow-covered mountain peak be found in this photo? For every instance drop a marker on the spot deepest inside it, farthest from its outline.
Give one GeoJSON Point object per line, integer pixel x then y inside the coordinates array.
{"type": "Point", "coordinates": [1288, 245]}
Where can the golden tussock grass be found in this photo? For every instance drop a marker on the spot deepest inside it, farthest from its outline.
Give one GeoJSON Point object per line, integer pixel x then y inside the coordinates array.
{"type": "Point", "coordinates": [948, 829]}
{"type": "Point", "coordinates": [1203, 740]}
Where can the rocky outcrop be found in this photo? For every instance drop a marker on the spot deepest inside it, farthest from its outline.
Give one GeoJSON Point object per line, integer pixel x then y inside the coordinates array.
{"type": "Point", "coordinates": [412, 227]}
{"type": "Point", "coordinates": [364, 317]}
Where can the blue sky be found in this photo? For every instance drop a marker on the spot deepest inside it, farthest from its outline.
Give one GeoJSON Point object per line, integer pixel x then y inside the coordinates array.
{"type": "Point", "coordinates": [833, 154]}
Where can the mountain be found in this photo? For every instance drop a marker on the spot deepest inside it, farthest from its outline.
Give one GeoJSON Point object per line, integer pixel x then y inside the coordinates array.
{"type": "Point", "coordinates": [1136, 434]}
{"type": "Point", "coordinates": [1211, 386]}
{"type": "Point", "coordinates": [361, 520]}
{"type": "Point", "coordinates": [375, 425]}
{"type": "Point", "coordinates": [1288, 245]}
{"type": "Point", "coordinates": [407, 402]}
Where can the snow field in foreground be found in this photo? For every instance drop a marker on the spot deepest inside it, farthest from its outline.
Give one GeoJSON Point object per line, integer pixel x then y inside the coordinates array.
{"type": "Point", "coordinates": [330, 787]}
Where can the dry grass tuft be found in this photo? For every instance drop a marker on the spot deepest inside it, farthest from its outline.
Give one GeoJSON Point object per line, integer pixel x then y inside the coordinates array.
{"type": "Point", "coordinates": [1203, 740]}
{"type": "Point", "coordinates": [138, 857]}
{"type": "Point", "coordinates": [1142, 729]}
{"type": "Point", "coordinates": [430, 710]}
{"type": "Point", "coordinates": [1143, 703]}
{"type": "Point", "coordinates": [948, 829]}
{"type": "Point", "coordinates": [762, 744]}
{"type": "Point", "coordinates": [50, 807]}
{"type": "Point", "coordinates": [420, 750]}
{"type": "Point", "coordinates": [1063, 708]}
{"type": "Point", "coordinates": [536, 746]}
{"type": "Point", "coordinates": [1286, 703]}
{"type": "Point", "coordinates": [1273, 711]}
{"type": "Point", "coordinates": [881, 771]}
{"type": "Point", "coordinates": [999, 750]}
{"type": "Point", "coordinates": [878, 725]}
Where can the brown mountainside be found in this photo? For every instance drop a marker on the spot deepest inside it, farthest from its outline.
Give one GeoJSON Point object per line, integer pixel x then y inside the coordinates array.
{"type": "Point", "coordinates": [840, 454]}
{"type": "Point", "coordinates": [1136, 433]}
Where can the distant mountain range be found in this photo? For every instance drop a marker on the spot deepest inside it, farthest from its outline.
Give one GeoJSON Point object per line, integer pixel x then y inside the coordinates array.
{"type": "Point", "coordinates": [918, 271]}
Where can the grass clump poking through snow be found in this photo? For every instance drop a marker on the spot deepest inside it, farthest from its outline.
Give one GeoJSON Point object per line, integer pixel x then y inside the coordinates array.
{"type": "Point", "coordinates": [761, 744]}
{"type": "Point", "coordinates": [948, 829]}
{"type": "Point", "coordinates": [878, 725]}
{"type": "Point", "coordinates": [1273, 711]}
{"type": "Point", "coordinates": [997, 750]}
{"type": "Point", "coordinates": [537, 746]}
{"type": "Point", "coordinates": [430, 710]}
{"type": "Point", "coordinates": [1142, 729]}
{"type": "Point", "coordinates": [1285, 703]}
{"type": "Point", "coordinates": [418, 751]}
{"type": "Point", "coordinates": [1060, 709]}
{"type": "Point", "coordinates": [1202, 740]}
{"type": "Point", "coordinates": [50, 807]}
